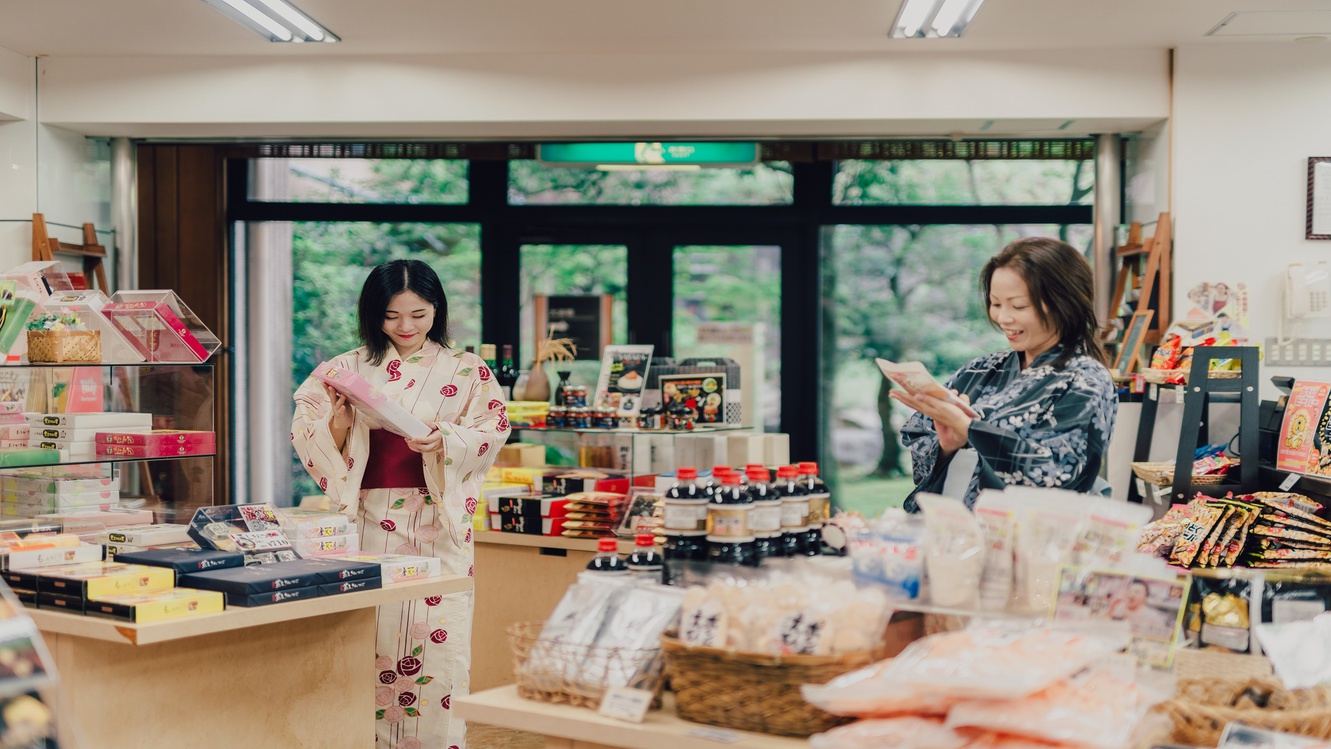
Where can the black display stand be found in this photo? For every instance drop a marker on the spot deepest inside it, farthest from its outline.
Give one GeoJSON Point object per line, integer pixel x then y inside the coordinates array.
{"type": "Point", "coordinates": [1201, 391]}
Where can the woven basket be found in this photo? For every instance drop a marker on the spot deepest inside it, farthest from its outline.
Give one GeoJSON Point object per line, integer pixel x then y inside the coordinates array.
{"type": "Point", "coordinates": [61, 346]}
{"type": "Point", "coordinates": [1218, 665]}
{"type": "Point", "coordinates": [1162, 474]}
{"type": "Point", "coordinates": [1203, 707]}
{"type": "Point", "coordinates": [1160, 376]}
{"type": "Point", "coordinates": [750, 692]}
{"type": "Point", "coordinates": [571, 674]}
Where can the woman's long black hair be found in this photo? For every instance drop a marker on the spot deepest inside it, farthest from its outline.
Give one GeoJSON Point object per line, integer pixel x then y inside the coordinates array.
{"type": "Point", "coordinates": [387, 281]}
{"type": "Point", "coordinates": [1061, 287]}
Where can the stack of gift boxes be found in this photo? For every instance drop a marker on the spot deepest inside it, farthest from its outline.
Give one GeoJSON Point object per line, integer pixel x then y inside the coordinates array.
{"type": "Point", "coordinates": [39, 491]}
{"type": "Point", "coordinates": [74, 436]}
{"type": "Point", "coordinates": [576, 503]}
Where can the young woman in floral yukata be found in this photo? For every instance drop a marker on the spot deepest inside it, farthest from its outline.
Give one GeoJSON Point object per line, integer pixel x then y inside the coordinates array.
{"type": "Point", "coordinates": [1044, 411]}
{"type": "Point", "coordinates": [409, 496]}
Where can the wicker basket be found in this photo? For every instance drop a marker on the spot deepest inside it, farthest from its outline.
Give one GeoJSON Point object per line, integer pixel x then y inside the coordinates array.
{"type": "Point", "coordinates": [1162, 474]}
{"type": "Point", "coordinates": [1161, 376]}
{"type": "Point", "coordinates": [62, 346]}
{"type": "Point", "coordinates": [750, 692]}
{"type": "Point", "coordinates": [571, 674]}
{"type": "Point", "coordinates": [1203, 707]}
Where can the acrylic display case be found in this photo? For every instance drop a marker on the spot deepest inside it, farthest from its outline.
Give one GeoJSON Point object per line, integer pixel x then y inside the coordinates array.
{"type": "Point", "coordinates": [88, 305]}
{"type": "Point", "coordinates": [161, 327]}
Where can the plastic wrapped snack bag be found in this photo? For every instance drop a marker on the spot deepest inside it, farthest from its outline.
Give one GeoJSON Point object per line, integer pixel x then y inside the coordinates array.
{"type": "Point", "coordinates": [869, 692]}
{"type": "Point", "coordinates": [626, 648]}
{"type": "Point", "coordinates": [993, 661]}
{"type": "Point", "coordinates": [1099, 707]}
{"type": "Point", "coordinates": [890, 733]}
{"type": "Point", "coordinates": [1239, 736]}
{"type": "Point", "coordinates": [891, 554]}
{"type": "Point", "coordinates": [1300, 652]}
{"type": "Point", "coordinates": [954, 556]}
{"type": "Point", "coordinates": [997, 516]}
{"type": "Point", "coordinates": [1048, 524]}
{"type": "Point", "coordinates": [556, 657]}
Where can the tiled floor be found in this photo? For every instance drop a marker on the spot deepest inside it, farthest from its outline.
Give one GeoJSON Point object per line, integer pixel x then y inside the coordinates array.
{"type": "Point", "coordinates": [490, 737]}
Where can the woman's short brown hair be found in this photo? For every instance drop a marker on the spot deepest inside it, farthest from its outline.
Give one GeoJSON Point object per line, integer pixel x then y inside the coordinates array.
{"type": "Point", "coordinates": [1061, 287]}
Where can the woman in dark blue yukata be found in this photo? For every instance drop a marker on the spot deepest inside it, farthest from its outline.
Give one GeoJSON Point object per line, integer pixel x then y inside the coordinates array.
{"type": "Point", "coordinates": [1044, 411]}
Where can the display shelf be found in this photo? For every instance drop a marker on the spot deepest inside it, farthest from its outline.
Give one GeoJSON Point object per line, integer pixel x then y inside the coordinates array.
{"type": "Point", "coordinates": [546, 542]}
{"type": "Point", "coordinates": [632, 430]}
{"type": "Point", "coordinates": [103, 459]}
{"type": "Point", "coordinates": [108, 365]}
{"type": "Point", "coordinates": [1307, 483]}
{"type": "Point", "coordinates": [110, 630]}
{"type": "Point", "coordinates": [661, 729]}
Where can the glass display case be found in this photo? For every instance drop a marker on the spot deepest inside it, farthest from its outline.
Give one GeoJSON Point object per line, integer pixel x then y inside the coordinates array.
{"type": "Point", "coordinates": [162, 462]}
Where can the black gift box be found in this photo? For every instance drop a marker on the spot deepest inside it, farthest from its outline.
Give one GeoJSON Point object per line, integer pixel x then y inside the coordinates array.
{"type": "Point", "coordinates": [258, 578]}
{"type": "Point", "coordinates": [184, 561]}
{"type": "Point", "coordinates": [273, 596]}
{"type": "Point", "coordinates": [334, 589]}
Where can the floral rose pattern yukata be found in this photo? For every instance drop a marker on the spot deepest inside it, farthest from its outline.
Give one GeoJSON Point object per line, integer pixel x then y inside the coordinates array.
{"type": "Point", "coordinates": [423, 650]}
{"type": "Point", "coordinates": [1041, 426]}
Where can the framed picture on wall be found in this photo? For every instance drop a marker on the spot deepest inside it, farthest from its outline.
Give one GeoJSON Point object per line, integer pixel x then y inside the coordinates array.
{"type": "Point", "coordinates": [1319, 198]}
{"type": "Point", "coordinates": [1130, 351]}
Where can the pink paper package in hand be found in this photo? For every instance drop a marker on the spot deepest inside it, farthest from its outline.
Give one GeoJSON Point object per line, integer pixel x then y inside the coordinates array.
{"type": "Point", "coordinates": [383, 412]}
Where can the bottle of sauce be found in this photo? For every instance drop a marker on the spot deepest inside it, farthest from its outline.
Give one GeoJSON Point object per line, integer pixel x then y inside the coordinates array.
{"type": "Point", "coordinates": [765, 519]}
{"type": "Point", "coordinates": [794, 511]}
{"type": "Point", "coordinates": [607, 559]}
{"type": "Point", "coordinates": [686, 502]}
{"type": "Point", "coordinates": [729, 538]}
{"type": "Point", "coordinates": [820, 504]}
{"type": "Point", "coordinates": [507, 374]}
{"type": "Point", "coordinates": [645, 562]}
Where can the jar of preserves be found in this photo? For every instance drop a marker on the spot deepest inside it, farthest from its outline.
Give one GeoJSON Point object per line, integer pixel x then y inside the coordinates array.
{"type": "Point", "coordinates": [579, 417]}
{"type": "Point", "coordinates": [607, 418]}
{"type": "Point", "coordinates": [557, 417]}
{"type": "Point", "coordinates": [651, 418]}
{"type": "Point", "coordinates": [575, 396]}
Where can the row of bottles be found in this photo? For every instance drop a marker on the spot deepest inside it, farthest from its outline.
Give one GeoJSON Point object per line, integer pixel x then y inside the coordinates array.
{"type": "Point", "coordinates": [506, 373]}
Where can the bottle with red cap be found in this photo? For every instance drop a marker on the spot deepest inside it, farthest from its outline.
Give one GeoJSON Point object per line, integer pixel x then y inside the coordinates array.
{"type": "Point", "coordinates": [607, 559]}
{"type": "Point", "coordinates": [645, 562]}
{"type": "Point", "coordinates": [730, 540]}
{"type": "Point", "coordinates": [765, 520]}
{"type": "Point", "coordinates": [794, 511]}
{"type": "Point", "coordinates": [820, 503]}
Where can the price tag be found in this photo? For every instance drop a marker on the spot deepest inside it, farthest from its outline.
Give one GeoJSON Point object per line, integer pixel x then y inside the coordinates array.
{"type": "Point", "coordinates": [624, 703]}
{"type": "Point", "coordinates": [720, 735]}
{"type": "Point", "coordinates": [1289, 482]}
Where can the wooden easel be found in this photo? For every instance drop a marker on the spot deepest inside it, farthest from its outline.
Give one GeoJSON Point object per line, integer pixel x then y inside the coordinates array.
{"type": "Point", "coordinates": [45, 247]}
{"type": "Point", "coordinates": [1145, 266]}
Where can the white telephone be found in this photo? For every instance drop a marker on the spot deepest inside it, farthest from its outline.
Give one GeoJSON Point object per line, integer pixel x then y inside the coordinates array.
{"type": "Point", "coordinates": [1308, 290]}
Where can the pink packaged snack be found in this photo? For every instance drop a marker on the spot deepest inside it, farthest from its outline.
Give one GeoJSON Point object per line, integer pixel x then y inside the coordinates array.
{"type": "Point", "coordinates": [366, 397]}
{"type": "Point", "coordinates": [892, 733]}
{"type": "Point", "coordinates": [868, 692]}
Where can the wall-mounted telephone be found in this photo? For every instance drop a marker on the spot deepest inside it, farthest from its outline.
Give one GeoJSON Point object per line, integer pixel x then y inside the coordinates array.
{"type": "Point", "coordinates": [1308, 290]}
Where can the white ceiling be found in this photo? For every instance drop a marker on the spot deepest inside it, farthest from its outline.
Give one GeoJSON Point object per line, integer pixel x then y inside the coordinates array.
{"type": "Point", "coordinates": [190, 27]}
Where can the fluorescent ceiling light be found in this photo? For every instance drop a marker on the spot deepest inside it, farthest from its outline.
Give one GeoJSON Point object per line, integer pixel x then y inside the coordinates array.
{"type": "Point", "coordinates": [276, 20]}
{"type": "Point", "coordinates": [934, 18]}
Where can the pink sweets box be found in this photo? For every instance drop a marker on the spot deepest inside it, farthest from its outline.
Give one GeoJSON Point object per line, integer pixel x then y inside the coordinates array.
{"type": "Point", "coordinates": [160, 326]}
{"type": "Point", "coordinates": [366, 397]}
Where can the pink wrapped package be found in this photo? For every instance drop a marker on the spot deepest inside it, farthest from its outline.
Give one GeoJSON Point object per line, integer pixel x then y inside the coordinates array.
{"type": "Point", "coordinates": [893, 733]}
{"type": "Point", "coordinates": [383, 412]}
{"type": "Point", "coordinates": [870, 693]}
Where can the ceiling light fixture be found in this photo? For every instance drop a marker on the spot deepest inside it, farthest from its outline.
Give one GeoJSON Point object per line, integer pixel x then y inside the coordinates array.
{"type": "Point", "coordinates": [934, 18]}
{"type": "Point", "coordinates": [275, 20]}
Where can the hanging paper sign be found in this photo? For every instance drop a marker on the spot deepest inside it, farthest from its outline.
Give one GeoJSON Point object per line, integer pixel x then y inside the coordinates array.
{"type": "Point", "coordinates": [623, 377]}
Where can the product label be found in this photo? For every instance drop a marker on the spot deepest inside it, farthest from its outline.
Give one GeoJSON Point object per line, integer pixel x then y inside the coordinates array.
{"type": "Point", "coordinates": [795, 513]}
{"type": "Point", "coordinates": [728, 522]}
{"type": "Point", "coordinates": [764, 519]}
{"type": "Point", "coordinates": [820, 508]}
{"type": "Point", "coordinates": [704, 626]}
{"type": "Point", "coordinates": [803, 634]}
{"type": "Point", "coordinates": [686, 517]}
{"type": "Point", "coordinates": [625, 703]}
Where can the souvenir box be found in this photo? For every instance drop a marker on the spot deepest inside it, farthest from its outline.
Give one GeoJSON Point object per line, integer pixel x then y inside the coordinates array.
{"type": "Point", "coordinates": [27, 456]}
{"type": "Point", "coordinates": [385, 412]}
{"type": "Point", "coordinates": [184, 561]}
{"type": "Point", "coordinates": [254, 579]}
{"type": "Point", "coordinates": [314, 524]}
{"type": "Point", "coordinates": [273, 596]}
{"type": "Point", "coordinates": [543, 516]}
{"type": "Point", "coordinates": [157, 438]}
{"type": "Point", "coordinates": [114, 550]}
{"type": "Point", "coordinates": [149, 535]}
{"type": "Point", "coordinates": [399, 568]}
{"type": "Point", "coordinates": [88, 305]}
{"type": "Point", "coordinates": [176, 603]}
{"type": "Point", "coordinates": [93, 522]}
{"type": "Point", "coordinates": [48, 481]}
{"type": "Point", "coordinates": [60, 602]}
{"type": "Point", "coordinates": [254, 530]}
{"type": "Point", "coordinates": [334, 589]}
{"type": "Point", "coordinates": [101, 579]}
{"type": "Point", "coordinates": [342, 570]}
{"type": "Point", "coordinates": [579, 481]}
{"type": "Point", "coordinates": [35, 558]}
{"type": "Point", "coordinates": [94, 500]}
{"type": "Point", "coordinates": [144, 452]}
{"type": "Point", "coordinates": [126, 421]}
{"type": "Point", "coordinates": [160, 327]}
{"type": "Point", "coordinates": [328, 546]}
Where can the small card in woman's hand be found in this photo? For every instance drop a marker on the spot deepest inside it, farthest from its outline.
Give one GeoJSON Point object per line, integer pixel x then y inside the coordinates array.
{"type": "Point", "coordinates": [916, 380]}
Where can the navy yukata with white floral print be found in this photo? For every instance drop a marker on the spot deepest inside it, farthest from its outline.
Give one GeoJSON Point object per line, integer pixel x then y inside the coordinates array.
{"type": "Point", "coordinates": [1044, 426]}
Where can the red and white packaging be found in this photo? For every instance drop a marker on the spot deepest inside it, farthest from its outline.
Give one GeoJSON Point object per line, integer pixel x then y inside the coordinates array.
{"type": "Point", "coordinates": [157, 438]}
{"type": "Point", "coordinates": [159, 451]}
{"type": "Point", "coordinates": [385, 412]}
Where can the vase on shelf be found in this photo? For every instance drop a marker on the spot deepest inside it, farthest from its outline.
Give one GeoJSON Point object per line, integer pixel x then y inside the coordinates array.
{"type": "Point", "coordinates": [538, 384]}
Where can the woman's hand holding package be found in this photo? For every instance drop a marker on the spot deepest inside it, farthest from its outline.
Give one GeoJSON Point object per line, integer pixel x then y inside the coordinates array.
{"type": "Point", "coordinates": [433, 443]}
{"type": "Point", "coordinates": [344, 416]}
{"type": "Point", "coordinates": [950, 422]}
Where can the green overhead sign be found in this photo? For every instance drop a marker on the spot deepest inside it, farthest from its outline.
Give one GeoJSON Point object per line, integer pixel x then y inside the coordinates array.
{"type": "Point", "coordinates": [648, 154]}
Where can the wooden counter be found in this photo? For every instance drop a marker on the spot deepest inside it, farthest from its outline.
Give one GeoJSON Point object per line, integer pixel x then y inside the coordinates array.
{"type": "Point", "coordinates": [290, 674]}
{"type": "Point", "coordinates": [568, 727]}
{"type": "Point", "coordinates": [519, 578]}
